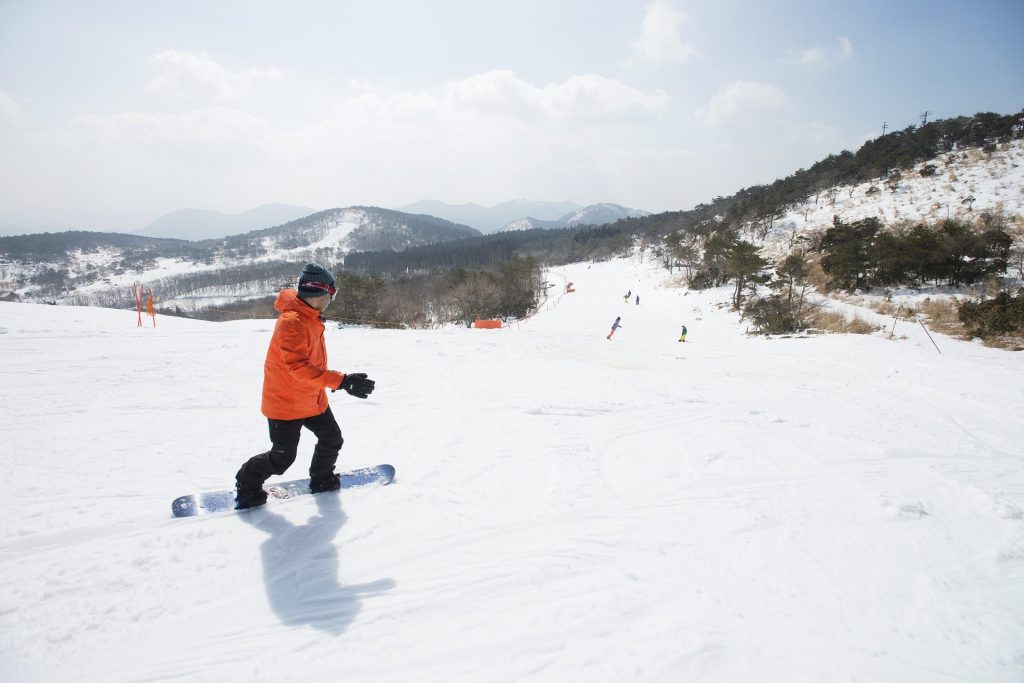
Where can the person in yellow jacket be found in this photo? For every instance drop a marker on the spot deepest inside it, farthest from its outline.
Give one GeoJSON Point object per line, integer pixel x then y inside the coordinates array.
{"type": "Point", "coordinates": [295, 376]}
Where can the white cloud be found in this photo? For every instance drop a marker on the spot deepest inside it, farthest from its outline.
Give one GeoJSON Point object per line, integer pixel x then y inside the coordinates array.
{"type": "Point", "coordinates": [586, 96]}
{"type": "Point", "coordinates": [502, 95]}
{"type": "Point", "coordinates": [492, 135]}
{"type": "Point", "coordinates": [211, 129]}
{"type": "Point", "coordinates": [489, 136]}
{"type": "Point", "coordinates": [739, 98]}
{"type": "Point", "coordinates": [661, 40]}
{"type": "Point", "coordinates": [186, 75]}
{"type": "Point", "coordinates": [820, 56]}
{"type": "Point", "coordinates": [845, 49]}
{"type": "Point", "coordinates": [10, 111]}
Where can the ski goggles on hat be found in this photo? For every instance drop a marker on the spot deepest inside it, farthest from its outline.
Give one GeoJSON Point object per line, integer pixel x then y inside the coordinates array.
{"type": "Point", "coordinates": [322, 286]}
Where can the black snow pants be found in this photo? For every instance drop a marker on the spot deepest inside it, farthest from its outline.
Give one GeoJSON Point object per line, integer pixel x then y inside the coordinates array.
{"type": "Point", "coordinates": [284, 437]}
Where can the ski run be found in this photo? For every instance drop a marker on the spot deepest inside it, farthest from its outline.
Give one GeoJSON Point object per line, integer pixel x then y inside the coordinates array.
{"type": "Point", "coordinates": [567, 507]}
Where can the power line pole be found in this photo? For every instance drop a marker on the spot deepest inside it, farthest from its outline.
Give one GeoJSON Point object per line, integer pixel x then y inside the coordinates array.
{"type": "Point", "coordinates": [885, 124]}
{"type": "Point", "coordinates": [924, 117]}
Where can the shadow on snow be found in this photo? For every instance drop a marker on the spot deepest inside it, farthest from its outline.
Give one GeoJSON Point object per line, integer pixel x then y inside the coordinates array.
{"type": "Point", "coordinates": [300, 566]}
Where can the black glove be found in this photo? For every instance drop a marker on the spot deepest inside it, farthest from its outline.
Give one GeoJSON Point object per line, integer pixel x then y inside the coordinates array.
{"type": "Point", "coordinates": [357, 384]}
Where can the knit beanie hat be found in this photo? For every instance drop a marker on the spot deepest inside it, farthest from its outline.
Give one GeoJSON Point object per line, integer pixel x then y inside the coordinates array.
{"type": "Point", "coordinates": [316, 281]}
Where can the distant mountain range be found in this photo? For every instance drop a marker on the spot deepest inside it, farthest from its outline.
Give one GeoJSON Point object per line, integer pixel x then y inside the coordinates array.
{"type": "Point", "coordinates": [200, 224]}
{"type": "Point", "coordinates": [595, 214]}
{"type": "Point", "coordinates": [968, 168]}
{"type": "Point", "coordinates": [520, 214]}
{"type": "Point", "coordinates": [97, 268]}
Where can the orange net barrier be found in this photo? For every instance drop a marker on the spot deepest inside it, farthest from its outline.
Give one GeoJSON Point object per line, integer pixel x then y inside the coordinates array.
{"type": "Point", "coordinates": [487, 324]}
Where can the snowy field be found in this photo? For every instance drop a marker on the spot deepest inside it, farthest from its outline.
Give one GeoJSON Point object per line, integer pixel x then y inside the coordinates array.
{"type": "Point", "coordinates": [567, 508]}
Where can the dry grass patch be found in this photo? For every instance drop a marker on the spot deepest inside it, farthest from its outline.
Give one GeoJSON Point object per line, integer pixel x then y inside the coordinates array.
{"type": "Point", "coordinates": [816, 276]}
{"type": "Point", "coordinates": [942, 315]}
{"type": "Point", "coordinates": [860, 326]}
{"type": "Point", "coordinates": [892, 308]}
{"type": "Point", "coordinates": [836, 322]}
{"type": "Point", "coordinates": [1009, 343]}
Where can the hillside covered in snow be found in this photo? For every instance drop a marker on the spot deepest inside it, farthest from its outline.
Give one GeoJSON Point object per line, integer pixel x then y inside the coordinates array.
{"type": "Point", "coordinates": [97, 269]}
{"type": "Point", "coordinates": [961, 184]}
{"type": "Point", "coordinates": [567, 507]}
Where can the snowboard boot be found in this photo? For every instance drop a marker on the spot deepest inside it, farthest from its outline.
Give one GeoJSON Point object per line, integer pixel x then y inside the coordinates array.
{"type": "Point", "coordinates": [318, 483]}
{"type": "Point", "coordinates": [249, 498]}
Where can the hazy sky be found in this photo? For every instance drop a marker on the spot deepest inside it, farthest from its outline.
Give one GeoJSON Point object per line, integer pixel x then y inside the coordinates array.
{"type": "Point", "coordinates": [115, 113]}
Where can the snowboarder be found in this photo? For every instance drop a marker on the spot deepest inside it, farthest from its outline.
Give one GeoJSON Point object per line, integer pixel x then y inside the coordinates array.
{"type": "Point", "coordinates": [295, 375]}
{"type": "Point", "coordinates": [628, 294]}
{"type": "Point", "coordinates": [682, 335]}
{"type": "Point", "coordinates": [637, 299]}
{"type": "Point", "coordinates": [615, 325]}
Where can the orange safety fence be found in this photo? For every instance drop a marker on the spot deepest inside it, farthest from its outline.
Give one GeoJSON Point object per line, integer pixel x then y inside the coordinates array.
{"type": "Point", "coordinates": [487, 324]}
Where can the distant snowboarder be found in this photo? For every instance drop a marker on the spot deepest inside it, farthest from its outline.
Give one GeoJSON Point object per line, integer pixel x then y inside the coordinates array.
{"type": "Point", "coordinates": [615, 325]}
{"type": "Point", "coordinates": [294, 378]}
{"type": "Point", "coordinates": [628, 294]}
{"type": "Point", "coordinates": [682, 335]}
{"type": "Point", "coordinates": [637, 299]}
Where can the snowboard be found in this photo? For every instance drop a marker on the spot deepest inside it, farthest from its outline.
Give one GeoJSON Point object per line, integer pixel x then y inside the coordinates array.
{"type": "Point", "coordinates": [218, 501]}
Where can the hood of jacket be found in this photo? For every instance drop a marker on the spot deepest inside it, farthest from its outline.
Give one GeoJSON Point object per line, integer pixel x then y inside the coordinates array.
{"type": "Point", "coordinates": [288, 300]}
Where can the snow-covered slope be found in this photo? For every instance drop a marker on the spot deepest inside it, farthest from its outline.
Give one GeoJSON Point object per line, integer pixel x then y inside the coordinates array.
{"type": "Point", "coordinates": [567, 507]}
{"type": "Point", "coordinates": [599, 214]}
{"type": "Point", "coordinates": [100, 272]}
{"type": "Point", "coordinates": [331, 234]}
{"type": "Point", "coordinates": [530, 224]}
{"type": "Point", "coordinates": [966, 183]}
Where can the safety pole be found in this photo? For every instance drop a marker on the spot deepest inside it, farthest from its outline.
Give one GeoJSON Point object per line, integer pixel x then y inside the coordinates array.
{"type": "Point", "coordinates": [137, 293]}
{"type": "Point", "coordinates": [895, 320]}
{"type": "Point", "coordinates": [150, 308]}
{"type": "Point", "coordinates": [929, 334]}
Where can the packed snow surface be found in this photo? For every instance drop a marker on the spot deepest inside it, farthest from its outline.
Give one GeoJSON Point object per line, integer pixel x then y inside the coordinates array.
{"type": "Point", "coordinates": [567, 507]}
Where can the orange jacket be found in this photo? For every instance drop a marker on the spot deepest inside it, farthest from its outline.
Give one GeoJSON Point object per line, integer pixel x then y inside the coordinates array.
{"type": "Point", "coordinates": [295, 372]}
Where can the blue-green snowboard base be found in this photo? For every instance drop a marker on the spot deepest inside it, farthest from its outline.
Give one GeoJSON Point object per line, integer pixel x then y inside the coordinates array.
{"type": "Point", "coordinates": [218, 501]}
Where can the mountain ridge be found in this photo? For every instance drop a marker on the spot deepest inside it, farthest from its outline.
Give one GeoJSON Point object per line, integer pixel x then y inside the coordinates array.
{"type": "Point", "coordinates": [594, 214]}
{"type": "Point", "coordinates": [492, 219]}
{"type": "Point", "coordinates": [90, 268]}
{"type": "Point", "coordinates": [201, 224]}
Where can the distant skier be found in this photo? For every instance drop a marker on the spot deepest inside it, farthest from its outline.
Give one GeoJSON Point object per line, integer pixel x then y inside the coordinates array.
{"type": "Point", "coordinates": [682, 335]}
{"type": "Point", "coordinates": [615, 325]}
{"type": "Point", "coordinates": [637, 299]}
{"type": "Point", "coordinates": [628, 294]}
{"type": "Point", "coordinates": [295, 375]}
